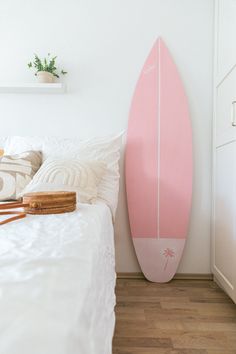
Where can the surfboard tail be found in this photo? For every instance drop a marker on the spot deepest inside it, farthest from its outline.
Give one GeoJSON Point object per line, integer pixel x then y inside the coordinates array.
{"type": "Point", "coordinates": [159, 258]}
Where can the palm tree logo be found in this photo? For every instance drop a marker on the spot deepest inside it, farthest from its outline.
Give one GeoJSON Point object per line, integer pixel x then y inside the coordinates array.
{"type": "Point", "coordinates": [168, 253]}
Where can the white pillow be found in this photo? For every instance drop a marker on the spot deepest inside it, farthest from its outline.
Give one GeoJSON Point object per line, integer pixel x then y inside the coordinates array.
{"type": "Point", "coordinates": [75, 175]}
{"type": "Point", "coordinates": [19, 144]}
{"type": "Point", "coordinates": [106, 149]}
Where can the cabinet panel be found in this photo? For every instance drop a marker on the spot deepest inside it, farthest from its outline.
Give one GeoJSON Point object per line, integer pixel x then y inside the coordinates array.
{"type": "Point", "coordinates": [224, 148]}
{"type": "Point", "coordinates": [225, 96]}
{"type": "Point", "coordinates": [226, 32]}
{"type": "Point", "coordinates": [225, 215]}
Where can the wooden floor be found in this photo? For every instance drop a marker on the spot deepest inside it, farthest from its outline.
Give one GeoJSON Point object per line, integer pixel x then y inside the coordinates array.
{"type": "Point", "coordinates": [182, 317]}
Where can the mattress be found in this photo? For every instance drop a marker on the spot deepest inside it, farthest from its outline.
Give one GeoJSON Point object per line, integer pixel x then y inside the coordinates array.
{"type": "Point", "coordinates": [57, 279]}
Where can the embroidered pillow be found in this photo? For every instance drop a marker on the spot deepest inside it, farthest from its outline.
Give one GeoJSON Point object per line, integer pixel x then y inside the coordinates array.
{"type": "Point", "coordinates": [66, 174]}
{"type": "Point", "coordinates": [16, 172]}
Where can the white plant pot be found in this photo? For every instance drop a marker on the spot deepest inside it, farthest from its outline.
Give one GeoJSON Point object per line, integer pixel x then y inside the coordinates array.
{"type": "Point", "coordinates": [45, 77]}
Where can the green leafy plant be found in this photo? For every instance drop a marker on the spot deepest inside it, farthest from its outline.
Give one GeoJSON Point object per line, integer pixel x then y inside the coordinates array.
{"type": "Point", "coordinates": [46, 64]}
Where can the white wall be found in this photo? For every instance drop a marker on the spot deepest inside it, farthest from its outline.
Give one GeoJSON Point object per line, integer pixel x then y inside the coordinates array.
{"type": "Point", "coordinates": [103, 45]}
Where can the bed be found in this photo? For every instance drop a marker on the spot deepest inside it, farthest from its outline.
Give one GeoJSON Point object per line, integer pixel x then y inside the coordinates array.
{"type": "Point", "coordinates": [57, 281]}
{"type": "Point", "coordinates": [57, 288]}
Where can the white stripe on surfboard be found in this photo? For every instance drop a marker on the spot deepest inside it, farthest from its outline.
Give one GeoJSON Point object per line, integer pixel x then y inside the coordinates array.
{"type": "Point", "coordinates": [159, 135]}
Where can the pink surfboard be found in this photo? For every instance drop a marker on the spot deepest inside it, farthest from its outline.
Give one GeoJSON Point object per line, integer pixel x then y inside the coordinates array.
{"type": "Point", "coordinates": [158, 165]}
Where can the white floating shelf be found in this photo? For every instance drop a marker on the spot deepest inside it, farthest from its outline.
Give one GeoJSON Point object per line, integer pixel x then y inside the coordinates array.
{"type": "Point", "coordinates": [32, 88]}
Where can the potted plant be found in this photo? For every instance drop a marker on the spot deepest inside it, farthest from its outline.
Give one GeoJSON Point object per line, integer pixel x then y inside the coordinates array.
{"type": "Point", "coordinates": [46, 69]}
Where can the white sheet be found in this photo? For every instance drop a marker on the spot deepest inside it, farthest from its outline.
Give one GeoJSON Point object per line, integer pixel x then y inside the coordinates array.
{"type": "Point", "coordinates": [57, 281]}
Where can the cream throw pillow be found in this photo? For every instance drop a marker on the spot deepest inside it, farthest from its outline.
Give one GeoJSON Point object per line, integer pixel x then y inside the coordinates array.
{"type": "Point", "coordinates": [63, 174]}
{"type": "Point", "coordinates": [16, 172]}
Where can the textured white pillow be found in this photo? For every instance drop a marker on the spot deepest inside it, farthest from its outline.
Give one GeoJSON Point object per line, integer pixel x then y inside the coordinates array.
{"type": "Point", "coordinates": [58, 174]}
{"type": "Point", "coordinates": [106, 149]}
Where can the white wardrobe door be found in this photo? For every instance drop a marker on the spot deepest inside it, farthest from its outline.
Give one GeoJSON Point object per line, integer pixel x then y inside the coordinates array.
{"type": "Point", "coordinates": [226, 109]}
{"type": "Point", "coordinates": [225, 216]}
{"type": "Point", "coordinates": [226, 36]}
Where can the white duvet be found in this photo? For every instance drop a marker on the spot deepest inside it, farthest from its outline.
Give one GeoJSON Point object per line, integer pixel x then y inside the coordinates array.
{"type": "Point", "coordinates": [57, 281]}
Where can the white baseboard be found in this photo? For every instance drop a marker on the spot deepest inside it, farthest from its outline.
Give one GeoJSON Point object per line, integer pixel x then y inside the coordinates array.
{"type": "Point", "coordinates": [179, 276]}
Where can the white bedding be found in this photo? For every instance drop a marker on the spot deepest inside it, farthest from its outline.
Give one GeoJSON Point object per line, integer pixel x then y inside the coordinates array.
{"type": "Point", "coordinates": [57, 282]}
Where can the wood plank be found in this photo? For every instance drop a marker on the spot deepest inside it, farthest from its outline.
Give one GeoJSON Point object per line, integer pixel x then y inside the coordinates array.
{"type": "Point", "coordinates": [136, 350]}
{"type": "Point", "coordinates": [143, 342]}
